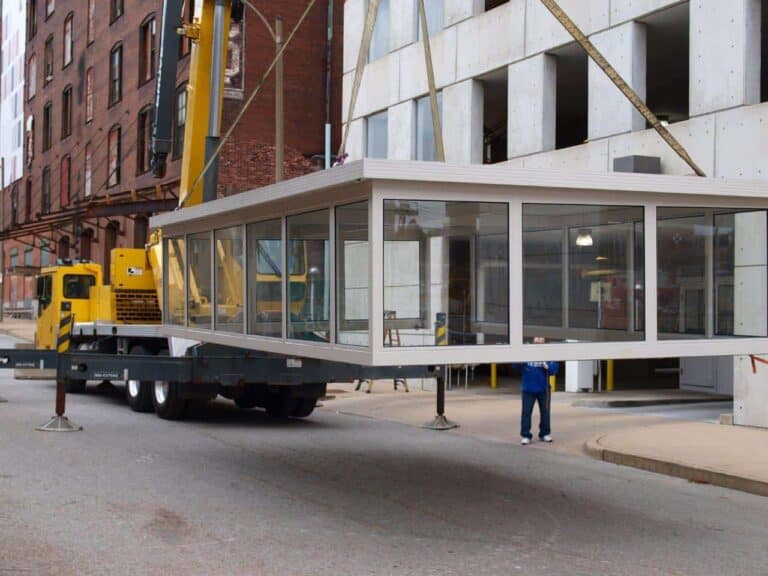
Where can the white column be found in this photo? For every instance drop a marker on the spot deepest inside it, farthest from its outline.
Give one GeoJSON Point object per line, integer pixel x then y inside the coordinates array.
{"type": "Point", "coordinates": [356, 140]}
{"type": "Point", "coordinates": [532, 105]}
{"type": "Point", "coordinates": [400, 131]}
{"type": "Point", "coordinates": [725, 54]}
{"type": "Point", "coordinates": [579, 376]}
{"type": "Point", "coordinates": [610, 112]}
{"type": "Point", "coordinates": [463, 122]}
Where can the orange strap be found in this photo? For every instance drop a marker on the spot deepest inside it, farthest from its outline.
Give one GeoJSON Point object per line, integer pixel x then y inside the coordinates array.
{"type": "Point", "coordinates": [755, 360]}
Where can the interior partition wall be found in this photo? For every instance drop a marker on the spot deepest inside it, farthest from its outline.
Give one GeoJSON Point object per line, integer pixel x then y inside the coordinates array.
{"type": "Point", "coordinates": [473, 274]}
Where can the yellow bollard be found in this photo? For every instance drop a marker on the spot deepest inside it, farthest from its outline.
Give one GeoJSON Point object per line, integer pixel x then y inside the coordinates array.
{"type": "Point", "coordinates": [609, 376]}
{"type": "Point", "coordinates": [493, 376]}
{"type": "Point", "coordinates": [552, 380]}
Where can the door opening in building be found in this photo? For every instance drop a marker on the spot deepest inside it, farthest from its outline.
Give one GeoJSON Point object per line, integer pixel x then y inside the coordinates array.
{"type": "Point", "coordinates": [572, 112]}
{"type": "Point", "coordinates": [668, 63]}
{"type": "Point", "coordinates": [495, 114]}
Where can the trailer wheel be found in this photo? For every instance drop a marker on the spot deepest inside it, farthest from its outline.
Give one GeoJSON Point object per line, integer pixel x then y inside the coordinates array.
{"type": "Point", "coordinates": [304, 407]}
{"type": "Point", "coordinates": [248, 399]}
{"type": "Point", "coordinates": [75, 386]}
{"type": "Point", "coordinates": [166, 398]}
{"type": "Point", "coordinates": [280, 404]}
{"type": "Point", "coordinates": [138, 393]}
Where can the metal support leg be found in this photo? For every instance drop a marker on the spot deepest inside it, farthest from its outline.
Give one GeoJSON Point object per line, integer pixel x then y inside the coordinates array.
{"type": "Point", "coordinates": [60, 423]}
{"type": "Point", "coordinates": [440, 422]}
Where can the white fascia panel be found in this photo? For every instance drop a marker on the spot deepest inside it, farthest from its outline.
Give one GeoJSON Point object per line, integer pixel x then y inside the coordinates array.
{"type": "Point", "coordinates": [592, 156]}
{"type": "Point", "coordinates": [543, 32]}
{"type": "Point", "coordinates": [413, 65]}
{"type": "Point", "coordinates": [491, 40]}
{"type": "Point", "coordinates": [696, 135]}
{"type": "Point", "coordinates": [378, 88]}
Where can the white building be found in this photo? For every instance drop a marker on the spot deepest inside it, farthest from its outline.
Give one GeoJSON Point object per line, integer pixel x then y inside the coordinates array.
{"type": "Point", "coordinates": [12, 88]}
{"type": "Point", "coordinates": [515, 88]}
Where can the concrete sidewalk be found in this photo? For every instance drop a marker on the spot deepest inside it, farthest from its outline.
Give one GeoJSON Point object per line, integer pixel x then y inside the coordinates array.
{"type": "Point", "coordinates": [729, 456]}
{"type": "Point", "coordinates": [23, 329]}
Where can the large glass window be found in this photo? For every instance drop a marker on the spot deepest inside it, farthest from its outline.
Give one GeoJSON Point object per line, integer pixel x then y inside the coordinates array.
{"type": "Point", "coordinates": [711, 273]}
{"type": "Point", "coordinates": [309, 283]}
{"type": "Point", "coordinates": [175, 264]}
{"type": "Point", "coordinates": [434, 13]}
{"type": "Point", "coordinates": [380, 38]}
{"type": "Point", "coordinates": [582, 280]}
{"type": "Point", "coordinates": [352, 273]}
{"type": "Point", "coordinates": [200, 280]}
{"type": "Point", "coordinates": [446, 273]}
{"type": "Point", "coordinates": [426, 146]}
{"type": "Point", "coordinates": [265, 278]}
{"type": "Point", "coordinates": [116, 74]}
{"type": "Point", "coordinates": [229, 279]}
{"type": "Point", "coordinates": [376, 135]}
{"type": "Point", "coordinates": [69, 25]}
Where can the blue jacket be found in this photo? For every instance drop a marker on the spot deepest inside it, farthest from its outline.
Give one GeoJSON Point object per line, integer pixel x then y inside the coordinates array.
{"type": "Point", "coordinates": [535, 375]}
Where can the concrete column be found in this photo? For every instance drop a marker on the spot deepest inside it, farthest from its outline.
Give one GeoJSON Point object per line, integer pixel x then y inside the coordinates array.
{"type": "Point", "coordinates": [402, 23]}
{"type": "Point", "coordinates": [354, 23]}
{"type": "Point", "coordinates": [356, 140]}
{"type": "Point", "coordinates": [400, 131]}
{"type": "Point", "coordinates": [579, 376]}
{"type": "Point", "coordinates": [610, 112]}
{"type": "Point", "coordinates": [725, 55]}
{"type": "Point", "coordinates": [532, 105]}
{"type": "Point", "coordinates": [463, 122]}
{"type": "Point", "coordinates": [458, 10]}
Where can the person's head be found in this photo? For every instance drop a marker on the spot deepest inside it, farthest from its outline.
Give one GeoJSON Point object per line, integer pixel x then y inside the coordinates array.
{"type": "Point", "coordinates": [539, 340]}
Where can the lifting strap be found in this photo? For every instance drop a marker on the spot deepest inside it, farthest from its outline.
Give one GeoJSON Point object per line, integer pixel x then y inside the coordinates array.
{"type": "Point", "coordinates": [616, 78]}
{"type": "Point", "coordinates": [439, 147]}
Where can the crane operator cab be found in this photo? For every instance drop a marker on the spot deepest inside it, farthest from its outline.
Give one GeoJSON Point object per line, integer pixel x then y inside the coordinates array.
{"type": "Point", "coordinates": [66, 285]}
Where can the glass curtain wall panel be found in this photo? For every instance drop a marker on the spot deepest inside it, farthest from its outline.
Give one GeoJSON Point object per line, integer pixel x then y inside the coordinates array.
{"type": "Point", "coordinates": [582, 275]}
{"type": "Point", "coordinates": [265, 278]}
{"type": "Point", "coordinates": [446, 273]}
{"type": "Point", "coordinates": [376, 128]}
{"type": "Point", "coordinates": [200, 280]}
{"type": "Point", "coordinates": [228, 243]}
{"type": "Point", "coordinates": [352, 274]}
{"type": "Point", "coordinates": [711, 273]}
{"type": "Point", "coordinates": [309, 284]}
{"type": "Point", "coordinates": [175, 265]}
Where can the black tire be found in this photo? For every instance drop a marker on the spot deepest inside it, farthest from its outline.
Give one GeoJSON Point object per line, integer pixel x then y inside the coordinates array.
{"type": "Point", "coordinates": [247, 400]}
{"type": "Point", "coordinates": [303, 407]}
{"type": "Point", "coordinates": [75, 386]}
{"type": "Point", "coordinates": [280, 404]}
{"type": "Point", "coordinates": [139, 394]}
{"type": "Point", "coordinates": [166, 398]}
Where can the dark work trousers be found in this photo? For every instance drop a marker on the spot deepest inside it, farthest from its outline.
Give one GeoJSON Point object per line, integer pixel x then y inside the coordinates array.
{"type": "Point", "coordinates": [529, 399]}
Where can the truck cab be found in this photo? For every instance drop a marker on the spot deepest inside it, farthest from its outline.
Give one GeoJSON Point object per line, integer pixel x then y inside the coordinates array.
{"type": "Point", "coordinates": [71, 282]}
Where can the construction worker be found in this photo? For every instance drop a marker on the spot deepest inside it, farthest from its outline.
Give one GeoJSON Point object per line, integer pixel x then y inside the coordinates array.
{"type": "Point", "coordinates": [535, 388]}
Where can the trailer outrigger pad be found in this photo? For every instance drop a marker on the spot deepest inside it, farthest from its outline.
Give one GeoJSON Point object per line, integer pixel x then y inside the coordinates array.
{"type": "Point", "coordinates": [440, 422]}
{"type": "Point", "coordinates": [59, 424]}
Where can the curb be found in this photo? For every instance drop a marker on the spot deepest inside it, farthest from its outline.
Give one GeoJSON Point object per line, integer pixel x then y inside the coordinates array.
{"type": "Point", "coordinates": [697, 475]}
{"type": "Point", "coordinates": [643, 403]}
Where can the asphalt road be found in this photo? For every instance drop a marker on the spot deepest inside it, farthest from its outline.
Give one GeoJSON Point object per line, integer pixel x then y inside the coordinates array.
{"type": "Point", "coordinates": [238, 493]}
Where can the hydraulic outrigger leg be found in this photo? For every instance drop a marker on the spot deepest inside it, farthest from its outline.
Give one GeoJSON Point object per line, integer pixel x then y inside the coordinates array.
{"type": "Point", "coordinates": [440, 422]}
{"type": "Point", "coordinates": [60, 423]}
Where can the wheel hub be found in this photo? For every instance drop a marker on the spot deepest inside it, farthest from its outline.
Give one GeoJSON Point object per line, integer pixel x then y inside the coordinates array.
{"type": "Point", "coordinates": [161, 391]}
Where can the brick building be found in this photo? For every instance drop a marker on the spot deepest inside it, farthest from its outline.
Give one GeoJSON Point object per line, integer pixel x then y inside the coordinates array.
{"type": "Point", "coordinates": [90, 83]}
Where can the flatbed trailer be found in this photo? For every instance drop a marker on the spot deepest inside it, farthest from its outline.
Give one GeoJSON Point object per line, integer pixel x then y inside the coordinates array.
{"type": "Point", "coordinates": [284, 386]}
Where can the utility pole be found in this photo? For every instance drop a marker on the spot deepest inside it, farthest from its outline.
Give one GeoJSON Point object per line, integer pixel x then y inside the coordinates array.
{"type": "Point", "coordinates": [279, 103]}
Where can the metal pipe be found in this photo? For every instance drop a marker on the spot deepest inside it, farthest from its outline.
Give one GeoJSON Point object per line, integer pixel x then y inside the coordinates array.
{"type": "Point", "coordinates": [279, 103]}
{"type": "Point", "coordinates": [211, 179]}
{"type": "Point", "coordinates": [328, 80]}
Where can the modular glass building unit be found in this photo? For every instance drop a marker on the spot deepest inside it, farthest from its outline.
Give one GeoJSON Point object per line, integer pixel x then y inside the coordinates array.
{"type": "Point", "coordinates": [401, 263]}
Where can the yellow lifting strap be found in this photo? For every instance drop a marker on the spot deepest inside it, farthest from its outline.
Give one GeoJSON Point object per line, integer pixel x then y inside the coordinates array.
{"type": "Point", "coordinates": [616, 78]}
{"type": "Point", "coordinates": [439, 146]}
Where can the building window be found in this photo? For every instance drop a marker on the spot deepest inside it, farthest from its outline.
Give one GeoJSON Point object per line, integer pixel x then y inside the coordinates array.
{"type": "Point", "coordinates": [65, 180]}
{"type": "Point", "coordinates": [15, 206]}
{"type": "Point", "coordinates": [181, 121]}
{"type": "Point", "coordinates": [28, 201]}
{"type": "Point", "coordinates": [667, 63]}
{"type": "Point", "coordinates": [376, 135]}
{"type": "Point", "coordinates": [45, 197]}
{"type": "Point", "coordinates": [69, 25]}
{"type": "Point", "coordinates": [30, 140]}
{"type": "Point", "coordinates": [116, 74]}
{"type": "Point", "coordinates": [91, 21]}
{"type": "Point", "coordinates": [47, 126]}
{"type": "Point", "coordinates": [147, 50]}
{"type": "Point", "coordinates": [113, 157]}
{"type": "Point", "coordinates": [31, 19]}
{"type": "Point", "coordinates": [571, 96]}
{"type": "Point", "coordinates": [50, 6]}
{"type": "Point", "coordinates": [88, 171]}
{"type": "Point", "coordinates": [14, 257]}
{"type": "Point", "coordinates": [115, 10]}
{"type": "Point", "coordinates": [380, 39]}
{"type": "Point", "coordinates": [144, 142]}
{"type": "Point", "coordinates": [352, 268]}
{"type": "Point", "coordinates": [89, 95]}
{"type": "Point", "coordinates": [48, 59]}
{"type": "Point", "coordinates": [434, 11]}
{"type": "Point", "coordinates": [495, 115]}
{"type": "Point", "coordinates": [426, 147]}
{"type": "Point", "coordinates": [185, 44]}
{"type": "Point", "coordinates": [32, 77]}
{"type": "Point", "coordinates": [66, 112]}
